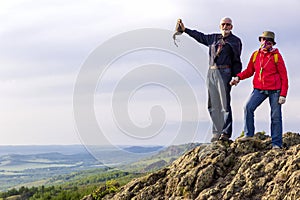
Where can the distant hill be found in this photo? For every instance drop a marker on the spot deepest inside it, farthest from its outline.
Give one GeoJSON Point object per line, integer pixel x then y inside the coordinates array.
{"type": "Point", "coordinates": [141, 149]}
{"type": "Point", "coordinates": [40, 149]}
{"type": "Point", "coordinates": [161, 159]}
{"type": "Point", "coordinates": [223, 170]}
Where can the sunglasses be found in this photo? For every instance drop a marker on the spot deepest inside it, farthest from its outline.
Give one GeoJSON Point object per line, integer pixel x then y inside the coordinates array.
{"type": "Point", "coordinates": [266, 39]}
{"type": "Point", "coordinates": [227, 24]}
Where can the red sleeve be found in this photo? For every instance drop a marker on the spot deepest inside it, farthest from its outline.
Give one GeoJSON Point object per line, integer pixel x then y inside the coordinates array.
{"type": "Point", "coordinates": [249, 71]}
{"type": "Point", "coordinates": [283, 76]}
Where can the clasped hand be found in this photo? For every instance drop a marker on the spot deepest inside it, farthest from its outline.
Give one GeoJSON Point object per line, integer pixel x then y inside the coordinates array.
{"type": "Point", "coordinates": [234, 81]}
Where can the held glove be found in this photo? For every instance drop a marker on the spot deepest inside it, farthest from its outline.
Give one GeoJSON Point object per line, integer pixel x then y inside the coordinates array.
{"type": "Point", "coordinates": [281, 100]}
{"type": "Point", "coordinates": [179, 29]}
{"type": "Point", "coordinates": [234, 81]}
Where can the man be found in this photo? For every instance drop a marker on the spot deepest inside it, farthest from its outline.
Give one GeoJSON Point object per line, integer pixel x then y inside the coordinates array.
{"type": "Point", "coordinates": [224, 63]}
{"type": "Point", "coordinates": [270, 81]}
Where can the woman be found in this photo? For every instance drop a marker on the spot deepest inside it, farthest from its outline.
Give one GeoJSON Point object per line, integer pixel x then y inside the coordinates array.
{"type": "Point", "coordinates": [270, 81]}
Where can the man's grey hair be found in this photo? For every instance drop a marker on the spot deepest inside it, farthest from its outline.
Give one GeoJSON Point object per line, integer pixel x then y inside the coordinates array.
{"type": "Point", "coordinates": [225, 19]}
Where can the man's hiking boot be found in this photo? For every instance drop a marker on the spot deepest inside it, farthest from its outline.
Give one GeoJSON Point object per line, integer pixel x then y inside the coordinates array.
{"type": "Point", "coordinates": [215, 137]}
{"type": "Point", "coordinates": [224, 137]}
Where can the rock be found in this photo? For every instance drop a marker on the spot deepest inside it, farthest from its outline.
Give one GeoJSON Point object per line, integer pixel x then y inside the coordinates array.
{"type": "Point", "coordinates": [88, 197]}
{"type": "Point", "coordinates": [225, 170]}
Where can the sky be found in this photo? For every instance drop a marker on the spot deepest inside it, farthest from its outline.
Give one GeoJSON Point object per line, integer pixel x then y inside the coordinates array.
{"type": "Point", "coordinates": [46, 45]}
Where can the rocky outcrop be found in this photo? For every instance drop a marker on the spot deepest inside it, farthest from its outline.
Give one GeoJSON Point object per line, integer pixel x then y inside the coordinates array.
{"type": "Point", "coordinates": [225, 170]}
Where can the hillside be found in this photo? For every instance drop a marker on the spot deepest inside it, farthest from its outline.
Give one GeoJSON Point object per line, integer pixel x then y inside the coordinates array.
{"type": "Point", "coordinates": [224, 170]}
{"type": "Point", "coordinates": [161, 159]}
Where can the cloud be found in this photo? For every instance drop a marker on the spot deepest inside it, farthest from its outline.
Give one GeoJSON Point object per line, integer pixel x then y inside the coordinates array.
{"type": "Point", "coordinates": [41, 87]}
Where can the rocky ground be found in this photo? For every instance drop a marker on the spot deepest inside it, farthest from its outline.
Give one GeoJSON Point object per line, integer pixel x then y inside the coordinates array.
{"type": "Point", "coordinates": [225, 170]}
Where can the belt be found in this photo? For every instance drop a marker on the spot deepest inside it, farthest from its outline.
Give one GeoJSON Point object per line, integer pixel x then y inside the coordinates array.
{"type": "Point", "coordinates": [219, 67]}
{"type": "Point", "coordinates": [267, 92]}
